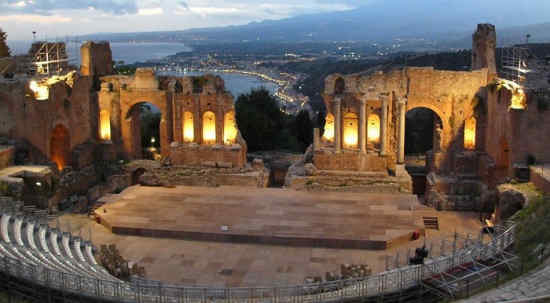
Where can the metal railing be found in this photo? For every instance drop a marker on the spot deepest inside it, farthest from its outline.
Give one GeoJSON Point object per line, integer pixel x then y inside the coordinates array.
{"type": "Point", "coordinates": [388, 282]}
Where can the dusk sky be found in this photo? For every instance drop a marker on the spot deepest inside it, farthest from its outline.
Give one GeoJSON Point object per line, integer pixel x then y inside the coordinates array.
{"type": "Point", "coordinates": [58, 18]}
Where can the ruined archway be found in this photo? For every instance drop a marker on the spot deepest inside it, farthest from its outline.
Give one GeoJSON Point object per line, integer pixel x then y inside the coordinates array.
{"type": "Point", "coordinates": [422, 131]}
{"type": "Point", "coordinates": [144, 120]}
{"type": "Point", "coordinates": [60, 146]}
{"type": "Point", "coordinates": [423, 134]}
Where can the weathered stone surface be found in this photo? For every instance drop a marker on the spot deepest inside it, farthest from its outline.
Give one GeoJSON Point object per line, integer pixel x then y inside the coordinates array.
{"type": "Point", "coordinates": [310, 169]}
{"type": "Point", "coordinates": [81, 205]}
{"type": "Point", "coordinates": [509, 201]}
{"type": "Point", "coordinates": [258, 164]}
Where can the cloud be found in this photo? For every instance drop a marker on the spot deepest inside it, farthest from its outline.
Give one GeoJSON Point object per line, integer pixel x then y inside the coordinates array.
{"type": "Point", "coordinates": [150, 11]}
{"type": "Point", "coordinates": [29, 18]}
{"type": "Point", "coordinates": [47, 7]}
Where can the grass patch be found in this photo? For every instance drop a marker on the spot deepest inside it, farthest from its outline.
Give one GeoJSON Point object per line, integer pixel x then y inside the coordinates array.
{"type": "Point", "coordinates": [532, 230]}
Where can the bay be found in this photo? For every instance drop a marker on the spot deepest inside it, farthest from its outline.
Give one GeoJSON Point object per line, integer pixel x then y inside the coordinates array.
{"type": "Point", "coordinates": [235, 83]}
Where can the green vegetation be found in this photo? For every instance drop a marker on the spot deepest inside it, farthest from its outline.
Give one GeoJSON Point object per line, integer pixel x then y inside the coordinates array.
{"type": "Point", "coordinates": [4, 49]}
{"type": "Point", "coordinates": [532, 233]}
{"type": "Point", "coordinates": [265, 127]}
{"type": "Point", "coordinates": [123, 69]}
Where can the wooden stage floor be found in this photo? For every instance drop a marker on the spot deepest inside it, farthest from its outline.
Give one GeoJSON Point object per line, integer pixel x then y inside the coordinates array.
{"type": "Point", "coordinates": [265, 216]}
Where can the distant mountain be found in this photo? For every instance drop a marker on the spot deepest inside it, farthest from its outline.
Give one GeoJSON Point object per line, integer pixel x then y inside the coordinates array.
{"type": "Point", "coordinates": [381, 21]}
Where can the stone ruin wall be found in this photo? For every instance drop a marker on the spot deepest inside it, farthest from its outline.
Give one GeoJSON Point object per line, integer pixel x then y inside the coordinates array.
{"type": "Point", "coordinates": [172, 96]}
{"type": "Point", "coordinates": [525, 131]}
{"type": "Point", "coordinates": [449, 94]}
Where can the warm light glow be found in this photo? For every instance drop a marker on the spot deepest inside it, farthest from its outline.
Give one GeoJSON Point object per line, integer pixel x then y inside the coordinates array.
{"type": "Point", "coordinates": [229, 128]}
{"type": "Point", "coordinates": [373, 128]}
{"type": "Point", "coordinates": [329, 128]}
{"type": "Point", "coordinates": [518, 99]}
{"type": "Point", "coordinates": [41, 92]}
{"type": "Point", "coordinates": [105, 125]}
{"type": "Point", "coordinates": [470, 133]}
{"type": "Point", "coordinates": [351, 130]}
{"type": "Point", "coordinates": [209, 128]}
{"type": "Point", "coordinates": [188, 127]}
{"type": "Point", "coordinates": [60, 146]}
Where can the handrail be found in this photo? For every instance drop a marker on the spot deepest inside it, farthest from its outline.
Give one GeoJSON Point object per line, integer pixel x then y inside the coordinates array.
{"type": "Point", "coordinates": [154, 291]}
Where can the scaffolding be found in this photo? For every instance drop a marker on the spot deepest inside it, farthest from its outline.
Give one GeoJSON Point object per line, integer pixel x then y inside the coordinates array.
{"type": "Point", "coordinates": [514, 65]}
{"type": "Point", "coordinates": [48, 58]}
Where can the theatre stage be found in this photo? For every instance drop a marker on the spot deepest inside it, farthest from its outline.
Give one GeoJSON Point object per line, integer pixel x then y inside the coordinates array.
{"type": "Point", "coordinates": [266, 216]}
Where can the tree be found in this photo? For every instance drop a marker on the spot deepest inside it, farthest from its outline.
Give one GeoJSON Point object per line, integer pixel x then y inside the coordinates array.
{"type": "Point", "coordinates": [259, 119]}
{"type": "Point", "coordinates": [4, 49]}
{"type": "Point", "coordinates": [303, 130]}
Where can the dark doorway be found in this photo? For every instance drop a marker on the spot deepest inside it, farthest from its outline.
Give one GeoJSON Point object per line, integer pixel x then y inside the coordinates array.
{"type": "Point", "coordinates": [422, 132]}
{"type": "Point", "coordinates": [145, 127]}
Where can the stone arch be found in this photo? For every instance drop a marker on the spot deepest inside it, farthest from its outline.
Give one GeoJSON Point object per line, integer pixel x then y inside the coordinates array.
{"type": "Point", "coordinates": [229, 128]}
{"type": "Point", "coordinates": [446, 130]}
{"type": "Point", "coordinates": [417, 134]}
{"type": "Point", "coordinates": [328, 134]}
{"type": "Point", "coordinates": [351, 130]}
{"type": "Point", "coordinates": [209, 127]}
{"type": "Point", "coordinates": [339, 86]}
{"type": "Point", "coordinates": [60, 146]}
{"type": "Point", "coordinates": [188, 127]}
{"type": "Point", "coordinates": [128, 100]}
{"type": "Point", "coordinates": [133, 140]}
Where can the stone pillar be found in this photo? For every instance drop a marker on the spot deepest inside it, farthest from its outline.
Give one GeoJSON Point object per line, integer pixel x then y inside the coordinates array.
{"type": "Point", "coordinates": [219, 125]}
{"type": "Point", "coordinates": [337, 124]}
{"type": "Point", "coordinates": [316, 139]}
{"type": "Point", "coordinates": [363, 126]}
{"type": "Point", "coordinates": [384, 125]}
{"type": "Point", "coordinates": [402, 103]}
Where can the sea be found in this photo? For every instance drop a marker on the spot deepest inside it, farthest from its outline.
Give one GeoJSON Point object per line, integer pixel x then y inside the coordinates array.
{"type": "Point", "coordinates": [130, 53]}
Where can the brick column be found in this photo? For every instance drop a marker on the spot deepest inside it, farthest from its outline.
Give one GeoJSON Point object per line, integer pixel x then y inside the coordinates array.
{"type": "Point", "coordinates": [337, 124]}
{"type": "Point", "coordinates": [402, 103]}
{"type": "Point", "coordinates": [384, 125]}
{"type": "Point", "coordinates": [363, 126]}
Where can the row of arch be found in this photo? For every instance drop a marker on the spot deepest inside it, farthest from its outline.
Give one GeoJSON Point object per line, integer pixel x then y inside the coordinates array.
{"type": "Point", "coordinates": [351, 129]}
{"type": "Point", "coordinates": [209, 128]}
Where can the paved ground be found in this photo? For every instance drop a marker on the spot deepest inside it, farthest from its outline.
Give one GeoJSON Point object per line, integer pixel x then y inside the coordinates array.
{"type": "Point", "coordinates": [337, 220]}
{"type": "Point", "coordinates": [229, 264]}
{"type": "Point", "coordinates": [532, 285]}
{"type": "Point", "coordinates": [10, 174]}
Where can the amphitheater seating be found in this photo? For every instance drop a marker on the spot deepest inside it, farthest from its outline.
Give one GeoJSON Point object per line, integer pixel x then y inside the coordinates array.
{"type": "Point", "coordinates": [30, 242]}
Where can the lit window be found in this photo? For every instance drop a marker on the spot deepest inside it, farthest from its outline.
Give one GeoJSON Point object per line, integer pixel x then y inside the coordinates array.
{"type": "Point", "coordinates": [351, 130]}
{"type": "Point", "coordinates": [229, 128]}
{"type": "Point", "coordinates": [470, 133]}
{"type": "Point", "coordinates": [105, 125]}
{"type": "Point", "coordinates": [373, 128]}
{"type": "Point", "coordinates": [328, 135]}
{"type": "Point", "coordinates": [188, 127]}
{"type": "Point", "coordinates": [209, 128]}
